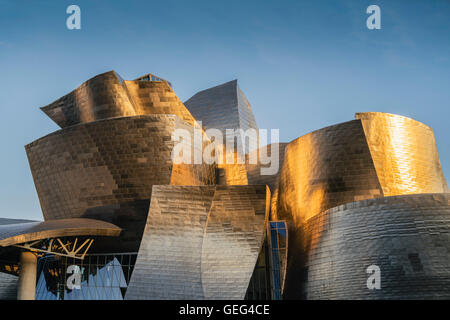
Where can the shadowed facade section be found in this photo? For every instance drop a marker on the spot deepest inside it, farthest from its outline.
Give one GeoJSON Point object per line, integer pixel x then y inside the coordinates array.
{"type": "Point", "coordinates": [407, 237]}
{"type": "Point", "coordinates": [194, 237]}
{"type": "Point", "coordinates": [326, 168]}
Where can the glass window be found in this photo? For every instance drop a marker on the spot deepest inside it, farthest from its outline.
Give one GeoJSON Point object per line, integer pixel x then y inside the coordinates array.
{"type": "Point", "coordinates": [101, 277]}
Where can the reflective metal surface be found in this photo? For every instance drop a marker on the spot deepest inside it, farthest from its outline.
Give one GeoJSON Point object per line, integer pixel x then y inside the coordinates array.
{"type": "Point", "coordinates": [233, 239]}
{"type": "Point", "coordinates": [404, 153]}
{"type": "Point", "coordinates": [323, 169]}
{"type": "Point", "coordinates": [407, 237]}
{"type": "Point", "coordinates": [100, 97]}
{"type": "Point", "coordinates": [222, 107]}
{"type": "Point", "coordinates": [102, 277]}
{"type": "Point", "coordinates": [107, 95]}
{"type": "Point", "coordinates": [200, 242]}
{"type": "Point", "coordinates": [115, 144]}
{"type": "Point", "coordinates": [204, 225]}
{"type": "Point", "coordinates": [373, 156]}
{"type": "Point", "coordinates": [106, 169]}
{"type": "Point", "coordinates": [155, 97]}
{"type": "Point", "coordinates": [254, 169]}
{"type": "Point", "coordinates": [11, 234]}
{"type": "Point", "coordinates": [8, 286]}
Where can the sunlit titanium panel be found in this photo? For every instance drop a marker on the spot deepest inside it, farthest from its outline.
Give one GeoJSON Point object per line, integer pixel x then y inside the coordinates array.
{"type": "Point", "coordinates": [200, 242]}
{"type": "Point", "coordinates": [323, 169]}
{"type": "Point", "coordinates": [278, 244]}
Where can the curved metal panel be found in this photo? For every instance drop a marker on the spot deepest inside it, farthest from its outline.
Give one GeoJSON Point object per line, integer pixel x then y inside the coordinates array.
{"type": "Point", "coordinates": [100, 97]}
{"type": "Point", "coordinates": [106, 169]}
{"type": "Point", "coordinates": [231, 173]}
{"type": "Point", "coordinates": [404, 153]}
{"type": "Point", "coordinates": [407, 237]}
{"type": "Point", "coordinates": [169, 260]}
{"type": "Point", "coordinates": [233, 239]}
{"type": "Point", "coordinates": [200, 242]}
{"type": "Point", "coordinates": [157, 97]}
{"type": "Point", "coordinates": [223, 107]}
{"type": "Point", "coordinates": [11, 234]}
{"type": "Point", "coordinates": [254, 169]}
{"type": "Point", "coordinates": [323, 169]}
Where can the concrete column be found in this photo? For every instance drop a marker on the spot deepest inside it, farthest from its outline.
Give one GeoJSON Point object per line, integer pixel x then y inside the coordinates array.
{"type": "Point", "coordinates": [27, 276]}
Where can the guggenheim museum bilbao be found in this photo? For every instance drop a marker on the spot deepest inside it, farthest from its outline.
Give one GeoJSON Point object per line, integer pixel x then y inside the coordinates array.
{"type": "Point", "coordinates": [356, 210]}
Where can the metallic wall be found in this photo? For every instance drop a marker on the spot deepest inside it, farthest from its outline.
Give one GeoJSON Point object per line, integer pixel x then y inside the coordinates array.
{"type": "Point", "coordinates": [200, 242]}
{"type": "Point", "coordinates": [234, 173]}
{"type": "Point", "coordinates": [156, 97]}
{"type": "Point", "coordinates": [100, 97]}
{"type": "Point", "coordinates": [254, 170]}
{"type": "Point", "coordinates": [376, 155]}
{"type": "Point", "coordinates": [8, 286]}
{"type": "Point", "coordinates": [323, 169]}
{"type": "Point", "coordinates": [107, 95]}
{"type": "Point", "coordinates": [222, 107]}
{"type": "Point", "coordinates": [404, 153]}
{"type": "Point", "coordinates": [106, 169]}
{"type": "Point", "coordinates": [407, 237]}
{"type": "Point", "coordinates": [371, 157]}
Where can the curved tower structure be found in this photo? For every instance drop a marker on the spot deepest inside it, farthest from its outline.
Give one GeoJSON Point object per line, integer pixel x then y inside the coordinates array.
{"type": "Point", "coordinates": [375, 156]}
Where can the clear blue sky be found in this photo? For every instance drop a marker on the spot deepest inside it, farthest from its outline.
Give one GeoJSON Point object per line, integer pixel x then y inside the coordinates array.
{"type": "Point", "coordinates": [302, 64]}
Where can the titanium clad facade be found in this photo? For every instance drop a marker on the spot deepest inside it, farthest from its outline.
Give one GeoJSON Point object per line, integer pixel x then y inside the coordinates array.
{"type": "Point", "coordinates": [233, 239]}
{"type": "Point", "coordinates": [407, 237]}
{"type": "Point", "coordinates": [223, 107]}
{"type": "Point", "coordinates": [365, 192]}
{"type": "Point", "coordinates": [8, 286]}
{"type": "Point", "coordinates": [107, 96]}
{"type": "Point", "coordinates": [254, 173]}
{"type": "Point", "coordinates": [169, 259]}
{"type": "Point", "coordinates": [12, 234]}
{"type": "Point", "coordinates": [348, 162]}
{"type": "Point", "coordinates": [404, 153]}
{"type": "Point", "coordinates": [100, 97]}
{"type": "Point", "coordinates": [200, 242]}
{"type": "Point", "coordinates": [156, 97]}
{"type": "Point", "coordinates": [324, 169]}
{"type": "Point", "coordinates": [106, 169]}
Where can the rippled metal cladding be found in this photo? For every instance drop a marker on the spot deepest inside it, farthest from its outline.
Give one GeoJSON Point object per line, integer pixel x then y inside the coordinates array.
{"type": "Point", "coordinates": [366, 191]}
{"type": "Point", "coordinates": [375, 156]}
